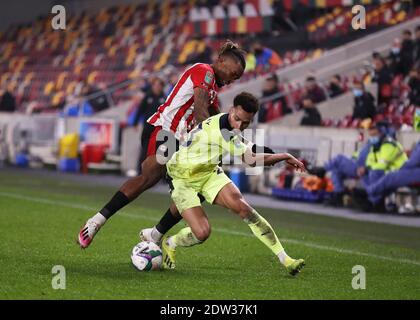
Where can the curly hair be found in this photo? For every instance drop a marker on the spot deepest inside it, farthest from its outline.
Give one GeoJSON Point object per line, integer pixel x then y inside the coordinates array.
{"type": "Point", "coordinates": [233, 50]}
{"type": "Point", "coordinates": [247, 101]}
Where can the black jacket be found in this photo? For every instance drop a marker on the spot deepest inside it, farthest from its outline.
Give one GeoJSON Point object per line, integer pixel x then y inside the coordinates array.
{"type": "Point", "coordinates": [335, 90]}
{"type": "Point", "coordinates": [364, 106]}
{"type": "Point", "coordinates": [417, 50]}
{"type": "Point", "coordinates": [414, 95]}
{"type": "Point", "coordinates": [148, 107]}
{"type": "Point", "coordinates": [311, 117]}
{"type": "Point", "coordinates": [7, 102]}
{"type": "Point", "coordinates": [407, 55]}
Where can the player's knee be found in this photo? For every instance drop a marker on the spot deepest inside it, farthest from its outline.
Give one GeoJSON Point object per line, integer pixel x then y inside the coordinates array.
{"type": "Point", "coordinates": [202, 233]}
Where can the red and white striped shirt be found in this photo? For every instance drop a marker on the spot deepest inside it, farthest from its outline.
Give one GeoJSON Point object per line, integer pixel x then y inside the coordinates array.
{"type": "Point", "coordinates": [176, 114]}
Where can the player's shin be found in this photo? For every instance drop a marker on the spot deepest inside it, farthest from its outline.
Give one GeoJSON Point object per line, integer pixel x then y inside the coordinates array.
{"type": "Point", "coordinates": [265, 233]}
{"type": "Point", "coordinates": [167, 221]}
{"type": "Point", "coordinates": [156, 233]}
{"type": "Point", "coordinates": [118, 201]}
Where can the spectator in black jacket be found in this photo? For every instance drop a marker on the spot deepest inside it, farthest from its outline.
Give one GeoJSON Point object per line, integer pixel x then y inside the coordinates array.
{"type": "Point", "coordinates": [335, 88]}
{"type": "Point", "coordinates": [417, 44]}
{"type": "Point", "coordinates": [99, 101]}
{"type": "Point", "coordinates": [152, 100]}
{"type": "Point", "coordinates": [364, 102]}
{"type": "Point", "coordinates": [414, 83]}
{"type": "Point", "coordinates": [394, 58]}
{"type": "Point", "coordinates": [407, 51]}
{"type": "Point", "coordinates": [383, 78]}
{"type": "Point", "coordinates": [148, 106]}
{"type": "Point", "coordinates": [7, 101]}
{"type": "Point", "coordinates": [311, 116]}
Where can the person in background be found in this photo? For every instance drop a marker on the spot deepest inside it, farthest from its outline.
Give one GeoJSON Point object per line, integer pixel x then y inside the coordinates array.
{"type": "Point", "coordinates": [251, 62]}
{"type": "Point", "coordinates": [280, 21]}
{"type": "Point", "coordinates": [335, 88]}
{"type": "Point", "coordinates": [341, 168]}
{"type": "Point", "coordinates": [79, 106]}
{"type": "Point", "coordinates": [148, 106]}
{"type": "Point", "coordinates": [173, 79]}
{"type": "Point", "coordinates": [417, 45]}
{"type": "Point", "coordinates": [203, 53]}
{"type": "Point", "coordinates": [311, 116]}
{"type": "Point", "coordinates": [414, 83]}
{"type": "Point", "coordinates": [385, 155]}
{"type": "Point", "coordinates": [99, 101]}
{"type": "Point", "coordinates": [364, 102]}
{"type": "Point", "coordinates": [408, 174]}
{"type": "Point", "coordinates": [395, 58]}
{"type": "Point", "coordinates": [383, 77]}
{"type": "Point", "coordinates": [265, 57]}
{"type": "Point", "coordinates": [7, 101]}
{"type": "Point", "coordinates": [313, 91]}
{"type": "Point", "coordinates": [276, 107]}
{"type": "Point", "coordinates": [407, 50]}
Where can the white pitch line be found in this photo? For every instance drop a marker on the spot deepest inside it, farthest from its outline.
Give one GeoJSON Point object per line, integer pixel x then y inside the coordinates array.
{"type": "Point", "coordinates": [328, 248]}
{"type": "Point", "coordinates": [221, 230]}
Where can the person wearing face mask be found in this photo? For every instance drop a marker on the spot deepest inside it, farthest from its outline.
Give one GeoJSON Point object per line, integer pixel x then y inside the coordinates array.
{"type": "Point", "coordinates": [395, 57]}
{"type": "Point", "coordinates": [364, 102]}
{"type": "Point", "coordinates": [407, 175]}
{"type": "Point", "coordinates": [385, 155]}
{"type": "Point", "coordinates": [342, 168]}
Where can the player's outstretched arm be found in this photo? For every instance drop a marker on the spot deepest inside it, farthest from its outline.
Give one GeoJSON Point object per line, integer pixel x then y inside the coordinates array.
{"type": "Point", "coordinates": [267, 159]}
{"type": "Point", "coordinates": [201, 104]}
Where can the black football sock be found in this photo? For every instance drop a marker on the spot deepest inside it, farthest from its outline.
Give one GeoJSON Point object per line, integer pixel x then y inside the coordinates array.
{"type": "Point", "coordinates": [118, 201]}
{"type": "Point", "coordinates": [167, 222]}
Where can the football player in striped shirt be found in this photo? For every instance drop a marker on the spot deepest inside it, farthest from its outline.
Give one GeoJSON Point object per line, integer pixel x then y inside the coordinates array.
{"type": "Point", "coordinates": [192, 100]}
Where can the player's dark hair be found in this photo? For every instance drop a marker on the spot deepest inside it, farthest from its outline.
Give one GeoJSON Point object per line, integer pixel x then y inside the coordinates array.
{"type": "Point", "coordinates": [247, 101]}
{"type": "Point", "coordinates": [233, 50]}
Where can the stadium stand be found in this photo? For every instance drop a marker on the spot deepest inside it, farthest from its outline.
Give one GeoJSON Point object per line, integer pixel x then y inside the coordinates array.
{"type": "Point", "coordinates": [109, 58]}
{"type": "Point", "coordinates": [337, 23]}
{"type": "Point", "coordinates": [46, 69]}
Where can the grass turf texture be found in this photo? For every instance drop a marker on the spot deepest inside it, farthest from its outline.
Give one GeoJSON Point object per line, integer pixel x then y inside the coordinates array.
{"type": "Point", "coordinates": [41, 216]}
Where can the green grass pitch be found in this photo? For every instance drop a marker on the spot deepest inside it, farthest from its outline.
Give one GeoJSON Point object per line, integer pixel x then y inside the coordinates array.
{"type": "Point", "coordinates": [41, 216]}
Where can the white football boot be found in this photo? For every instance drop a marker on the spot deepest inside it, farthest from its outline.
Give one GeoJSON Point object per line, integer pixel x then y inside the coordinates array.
{"type": "Point", "coordinates": [146, 235]}
{"type": "Point", "coordinates": [87, 233]}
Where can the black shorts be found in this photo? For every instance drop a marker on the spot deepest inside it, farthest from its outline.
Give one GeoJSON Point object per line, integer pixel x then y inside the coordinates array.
{"type": "Point", "coordinates": [155, 140]}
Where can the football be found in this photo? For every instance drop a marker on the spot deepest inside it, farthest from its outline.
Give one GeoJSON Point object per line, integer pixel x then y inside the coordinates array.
{"type": "Point", "coordinates": [146, 256]}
